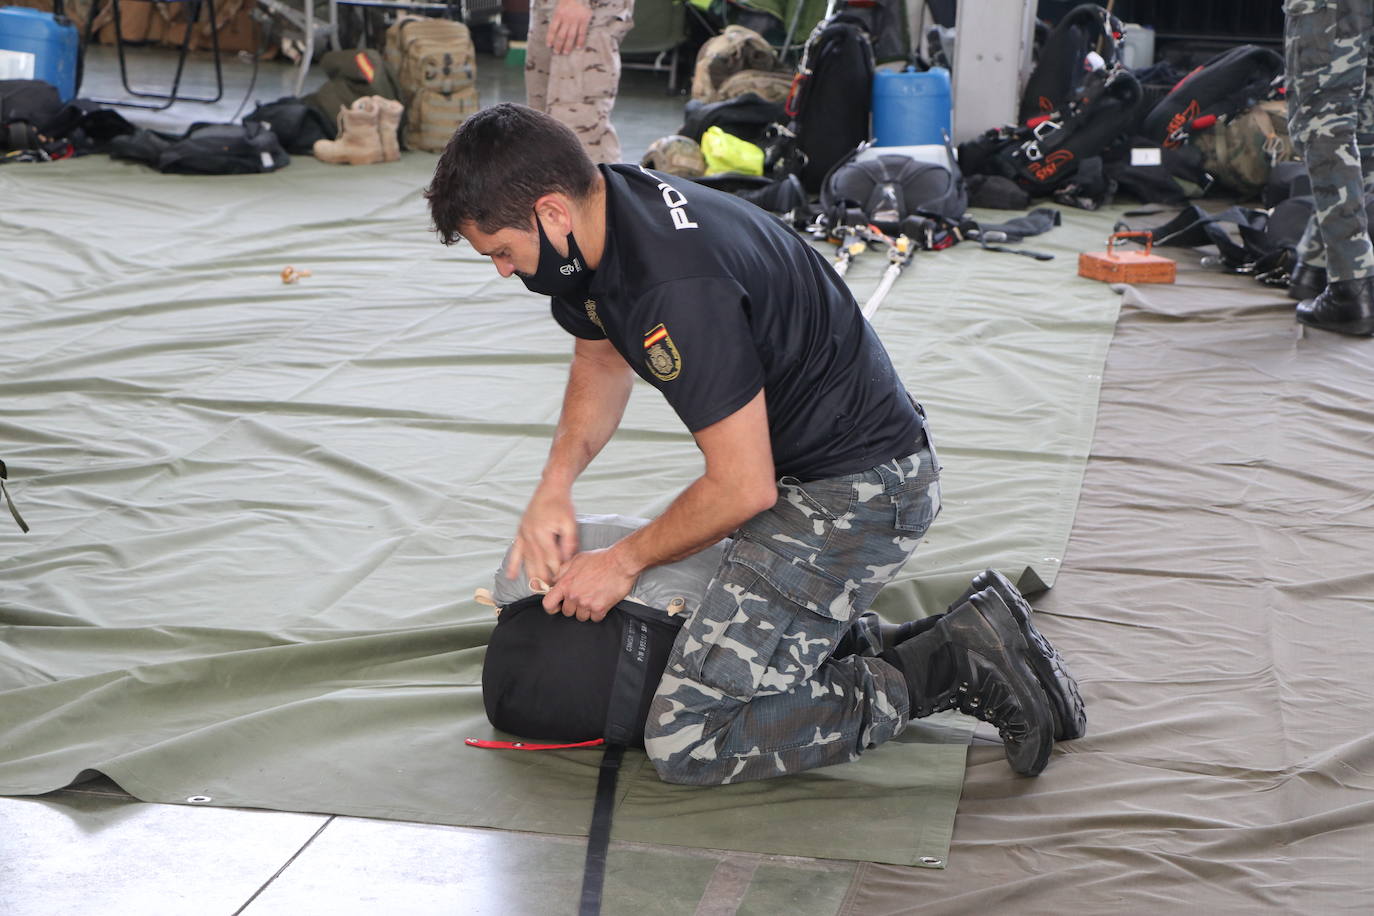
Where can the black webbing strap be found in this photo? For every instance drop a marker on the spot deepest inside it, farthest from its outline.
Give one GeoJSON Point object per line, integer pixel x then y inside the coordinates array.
{"type": "Point", "coordinates": [599, 837]}
{"type": "Point", "coordinates": [622, 726]}
{"type": "Point", "coordinates": [4, 491]}
{"type": "Point", "coordinates": [1036, 222]}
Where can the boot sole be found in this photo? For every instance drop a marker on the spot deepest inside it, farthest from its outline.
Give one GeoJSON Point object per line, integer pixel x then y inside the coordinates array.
{"type": "Point", "coordinates": [1070, 716]}
{"type": "Point", "coordinates": [1353, 329]}
{"type": "Point", "coordinates": [1002, 621]}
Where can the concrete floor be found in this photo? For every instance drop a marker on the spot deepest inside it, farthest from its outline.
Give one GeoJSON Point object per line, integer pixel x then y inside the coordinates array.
{"type": "Point", "coordinates": [93, 849]}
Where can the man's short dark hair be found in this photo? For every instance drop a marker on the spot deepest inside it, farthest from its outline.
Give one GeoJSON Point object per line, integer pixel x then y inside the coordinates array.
{"type": "Point", "coordinates": [498, 163]}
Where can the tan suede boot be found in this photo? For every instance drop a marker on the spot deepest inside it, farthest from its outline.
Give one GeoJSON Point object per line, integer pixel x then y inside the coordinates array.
{"type": "Point", "coordinates": [359, 142]}
{"type": "Point", "coordinates": [389, 126]}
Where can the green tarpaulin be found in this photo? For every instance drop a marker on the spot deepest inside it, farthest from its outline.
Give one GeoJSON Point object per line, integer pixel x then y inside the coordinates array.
{"type": "Point", "coordinates": [260, 510]}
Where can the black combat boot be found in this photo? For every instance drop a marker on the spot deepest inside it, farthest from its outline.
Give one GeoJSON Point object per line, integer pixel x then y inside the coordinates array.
{"type": "Point", "coordinates": [1306, 282]}
{"type": "Point", "coordinates": [973, 659]}
{"type": "Point", "coordinates": [1070, 718]}
{"type": "Point", "coordinates": [1345, 306]}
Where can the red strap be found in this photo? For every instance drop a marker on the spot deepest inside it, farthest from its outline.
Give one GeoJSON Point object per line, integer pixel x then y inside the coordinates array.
{"type": "Point", "coordinates": [1037, 120]}
{"type": "Point", "coordinates": [1203, 122]}
{"type": "Point", "coordinates": [792, 96]}
{"type": "Point", "coordinates": [527, 746]}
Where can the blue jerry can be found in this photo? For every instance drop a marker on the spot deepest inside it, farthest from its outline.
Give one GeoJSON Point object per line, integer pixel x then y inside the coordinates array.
{"type": "Point", "coordinates": [911, 108]}
{"type": "Point", "coordinates": [38, 45]}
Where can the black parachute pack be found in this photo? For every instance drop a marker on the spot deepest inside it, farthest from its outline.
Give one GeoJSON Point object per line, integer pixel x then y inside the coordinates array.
{"type": "Point", "coordinates": [889, 190]}
{"type": "Point", "coordinates": [547, 676]}
{"type": "Point", "coordinates": [206, 149]}
{"type": "Point", "coordinates": [831, 102]}
{"type": "Point", "coordinates": [1060, 63]}
{"type": "Point", "coordinates": [1060, 152]}
{"type": "Point", "coordinates": [909, 204]}
{"type": "Point", "coordinates": [1228, 84]}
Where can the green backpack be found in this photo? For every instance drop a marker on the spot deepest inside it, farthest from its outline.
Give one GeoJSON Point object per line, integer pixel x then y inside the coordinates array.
{"type": "Point", "coordinates": [1241, 151]}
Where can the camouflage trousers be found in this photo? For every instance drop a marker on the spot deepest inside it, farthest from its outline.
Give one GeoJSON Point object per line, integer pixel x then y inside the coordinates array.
{"type": "Point", "coordinates": [1330, 88]}
{"type": "Point", "coordinates": [579, 88]}
{"type": "Point", "coordinates": [753, 688]}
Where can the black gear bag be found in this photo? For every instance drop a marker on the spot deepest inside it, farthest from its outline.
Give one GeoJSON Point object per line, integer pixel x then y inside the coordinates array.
{"type": "Point", "coordinates": [1046, 156]}
{"type": "Point", "coordinates": [206, 149]}
{"type": "Point", "coordinates": [1226, 85]}
{"type": "Point", "coordinates": [831, 101]}
{"type": "Point", "coordinates": [1059, 69]}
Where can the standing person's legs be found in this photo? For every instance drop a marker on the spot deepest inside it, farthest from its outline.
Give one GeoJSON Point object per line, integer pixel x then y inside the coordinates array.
{"type": "Point", "coordinates": [579, 88]}
{"type": "Point", "coordinates": [1327, 49]}
{"type": "Point", "coordinates": [538, 55]}
{"type": "Point", "coordinates": [1364, 127]}
{"type": "Point", "coordinates": [751, 690]}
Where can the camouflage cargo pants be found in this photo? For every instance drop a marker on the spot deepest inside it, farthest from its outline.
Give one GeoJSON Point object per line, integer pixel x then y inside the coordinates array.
{"type": "Point", "coordinates": [1330, 79]}
{"type": "Point", "coordinates": [579, 88]}
{"type": "Point", "coordinates": [751, 689]}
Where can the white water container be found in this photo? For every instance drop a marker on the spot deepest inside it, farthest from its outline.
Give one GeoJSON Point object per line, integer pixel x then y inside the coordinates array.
{"type": "Point", "coordinates": [1138, 50]}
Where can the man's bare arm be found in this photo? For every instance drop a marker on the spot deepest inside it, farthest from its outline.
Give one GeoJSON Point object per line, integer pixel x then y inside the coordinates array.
{"type": "Point", "coordinates": [736, 485]}
{"type": "Point", "coordinates": [598, 388]}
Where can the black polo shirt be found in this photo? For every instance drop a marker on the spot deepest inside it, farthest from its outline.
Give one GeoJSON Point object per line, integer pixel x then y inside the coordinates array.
{"type": "Point", "coordinates": [710, 298]}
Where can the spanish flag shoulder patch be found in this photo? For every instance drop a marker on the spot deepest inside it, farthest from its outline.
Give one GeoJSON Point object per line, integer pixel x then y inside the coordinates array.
{"type": "Point", "coordinates": [661, 355]}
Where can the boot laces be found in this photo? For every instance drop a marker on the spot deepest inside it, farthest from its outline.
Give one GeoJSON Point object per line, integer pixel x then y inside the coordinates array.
{"type": "Point", "coordinates": [992, 703]}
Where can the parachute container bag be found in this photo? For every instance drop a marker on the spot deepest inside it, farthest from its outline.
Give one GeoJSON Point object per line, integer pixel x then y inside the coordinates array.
{"type": "Point", "coordinates": [436, 68]}
{"type": "Point", "coordinates": [1059, 143]}
{"type": "Point", "coordinates": [1226, 85]}
{"type": "Point", "coordinates": [891, 187]}
{"type": "Point", "coordinates": [832, 99]}
{"type": "Point", "coordinates": [1059, 69]}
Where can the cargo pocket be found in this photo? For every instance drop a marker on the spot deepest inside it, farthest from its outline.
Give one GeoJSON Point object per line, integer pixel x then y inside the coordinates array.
{"type": "Point", "coordinates": [741, 625]}
{"type": "Point", "coordinates": [917, 505]}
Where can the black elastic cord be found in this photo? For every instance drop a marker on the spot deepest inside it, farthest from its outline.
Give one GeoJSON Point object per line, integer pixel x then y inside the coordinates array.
{"type": "Point", "coordinates": [599, 837]}
{"type": "Point", "coordinates": [4, 473]}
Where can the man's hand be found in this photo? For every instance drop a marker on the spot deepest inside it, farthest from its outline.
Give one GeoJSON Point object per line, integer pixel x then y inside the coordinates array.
{"type": "Point", "coordinates": [568, 28]}
{"type": "Point", "coordinates": [591, 584]}
{"type": "Point", "coordinates": [547, 538]}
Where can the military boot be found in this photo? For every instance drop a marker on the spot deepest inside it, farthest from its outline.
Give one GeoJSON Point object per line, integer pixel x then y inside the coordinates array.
{"type": "Point", "coordinates": [389, 113]}
{"type": "Point", "coordinates": [359, 142]}
{"type": "Point", "coordinates": [1306, 282]}
{"type": "Point", "coordinates": [974, 659]}
{"type": "Point", "coordinates": [1070, 718]}
{"type": "Point", "coordinates": [1345, 306]}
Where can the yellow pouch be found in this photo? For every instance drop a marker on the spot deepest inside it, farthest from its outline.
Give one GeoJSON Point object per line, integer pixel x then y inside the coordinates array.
{"type": "Point", "coordinates": [728, 153]}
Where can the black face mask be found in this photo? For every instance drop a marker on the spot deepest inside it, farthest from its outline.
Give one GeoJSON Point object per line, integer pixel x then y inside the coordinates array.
{"type": "Point", "coordinates": [555, 275]}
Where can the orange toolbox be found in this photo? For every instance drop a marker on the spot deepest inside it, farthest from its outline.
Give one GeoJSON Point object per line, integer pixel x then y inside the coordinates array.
{"type": "Point", "coordinates": [1127, 266]}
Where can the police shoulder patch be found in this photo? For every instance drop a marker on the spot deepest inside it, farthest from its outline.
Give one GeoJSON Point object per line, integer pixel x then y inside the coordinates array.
{"type": "Point", "coordinates": [661, 355]}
